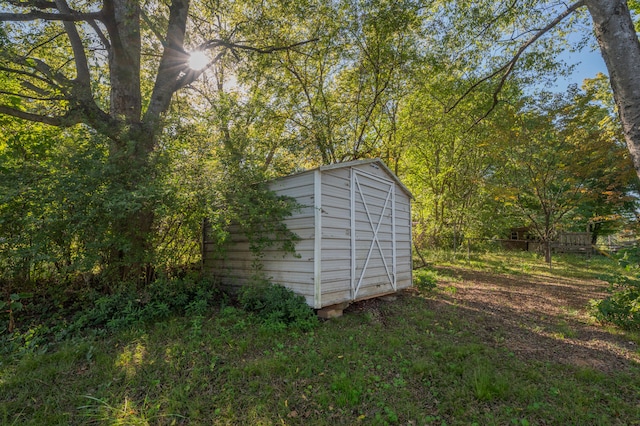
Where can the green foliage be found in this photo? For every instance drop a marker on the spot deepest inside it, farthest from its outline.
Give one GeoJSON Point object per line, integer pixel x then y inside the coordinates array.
{"type": "Point", "coordinates": [410, 365]}
{"type": "Point", "coordinates": [622, 307]}
{"type": "Point", "coordinates": [12, 306]}
{"type": "Point", "coordinates": [259, 213]}
{"type": "Point", "coordinates": [629, 258]}
{"type": "Point", "coordinates": [487, 384]}
{"type": "Point", "coordinates": [63, 203]}
{"type": "Point", "coordinates": [277, 306]}
{"type": "Point", "coordinates": [565, 165]}
{"type": "Point", "coordinates": [50, 197]}
{"type": "Point", "coordinates": [95, 313]}
{"type": "Point", "coordinates": [65, 206]}
{"type": "Point", "coordinates": [164, 297]}
{"type": "Point", "coordinates": [425, 279]}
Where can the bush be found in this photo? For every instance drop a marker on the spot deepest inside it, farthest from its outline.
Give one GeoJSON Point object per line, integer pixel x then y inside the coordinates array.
{"type": "Point", "coordinates": [90, 312]}
{"type": "Point", "coordinates": [425, 279]}
{"type": "Point", "coordinates": [622, 307]}
{"type": "Point", "coordinates": [164, 297]}
{"type": "Point", "coordinates": [628, 258]}
{"type": "Point", "coordinates": [277, 306]}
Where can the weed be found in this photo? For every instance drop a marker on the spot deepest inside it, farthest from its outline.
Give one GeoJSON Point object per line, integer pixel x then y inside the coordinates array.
{"type": "Point", "coordinates": [278, 307]}
{"type": "Point", "coordinates": [230, 366]}
{"type": "Point", "coordinates": [622, 307]}
{"type": "Point", "coordinates": [125, 309]}
{"type": "Point", "coordinates": [487, 384]}
{"type": "Point", "coordinates": [563, 330]}
{"type": "Point", "coordinates": [99, 411]}
{"type": "Point", "coordinates": [451, 290]}
{"type": "Point", "coordinates": [425, 279]}
{"type": "Point", "coordinates": [12, 306]}
{"type": "Point", "coordinates": [347, 392]}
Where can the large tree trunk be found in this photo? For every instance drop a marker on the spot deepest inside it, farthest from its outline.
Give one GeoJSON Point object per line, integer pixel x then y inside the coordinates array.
{"type": "Point", "coordinates": [131, 181]}
{"type": "Point", "coordinates": [132, 132]}
{"type": "Point", "coordinates": [620, 49]}
{"type": "Point", "coordinates": [130, 147]}
{"type": "Point", "coordinates": [123, 25]}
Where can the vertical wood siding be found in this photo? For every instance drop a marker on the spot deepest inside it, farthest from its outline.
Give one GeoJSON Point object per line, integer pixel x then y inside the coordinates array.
{"type": "Point", "coordinates": [324, 272]}
{"type": "Point", "coordinates": [293, 272]}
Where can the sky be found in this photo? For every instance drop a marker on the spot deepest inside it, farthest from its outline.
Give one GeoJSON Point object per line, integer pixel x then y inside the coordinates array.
{"type": "Point", "coordinates": [589, 63]}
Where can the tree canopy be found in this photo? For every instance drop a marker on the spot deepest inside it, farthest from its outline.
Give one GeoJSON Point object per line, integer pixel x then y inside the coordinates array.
{"type": "Point", "coordinates": [116, 146]}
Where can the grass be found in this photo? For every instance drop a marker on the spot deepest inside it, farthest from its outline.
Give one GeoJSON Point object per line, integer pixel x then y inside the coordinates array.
{"type": "Point", "coordinates": [401, 364]}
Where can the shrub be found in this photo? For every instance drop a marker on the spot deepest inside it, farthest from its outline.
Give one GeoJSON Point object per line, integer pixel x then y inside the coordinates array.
{"type": "Point", "coordinates": [622, 307]}
{"type": "Point", "coordinates": [277, 306]}
{"type": "Point", "coordinates": [628, 258]}
{"type": "Point", "coordinates": [425, 279]}
{"type": "Point", "coordinates": [129, 307]}
{"type": "Point", "coordinates": [92, 312]}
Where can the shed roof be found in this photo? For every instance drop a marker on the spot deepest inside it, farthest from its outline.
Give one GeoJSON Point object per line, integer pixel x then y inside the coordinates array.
{"type": "Point", "coordinates": [375, 162]}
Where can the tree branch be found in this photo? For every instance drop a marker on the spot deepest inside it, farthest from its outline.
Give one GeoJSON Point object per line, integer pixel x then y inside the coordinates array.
{"type": "Point", "coordinates": [39, 45]}
{"type": "Point", "coordinates": [173, 62]}
{"type": "Point", "coordinates": [105, 41]}
{"type": "Point", "coordinates": [39, 4]}
{"type": "Point", "coordinates": [67, 120]}
{"type": "Point", "coordinates": [151, 25]}
{"type": "Point", "coordinates": [508, 67]}
{"type": "Point", "coordinates": [40, 91]}
{"type": "Point", "coordinates": [30, 75]}
{"type": "Point", "coordinates": [214, 43]}
{"type": "Point", "coordinates": [35, 15]}
{"type": "Point", "coordinates": [44, 69]}
{"type": "Point", "coordinates": [22, 95]}
{"type": "Point", "coordinates": [79, 55]}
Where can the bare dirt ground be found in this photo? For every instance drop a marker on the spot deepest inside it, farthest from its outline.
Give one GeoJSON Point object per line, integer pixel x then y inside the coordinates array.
{"type": "Point", "coordinates": [537, 317]}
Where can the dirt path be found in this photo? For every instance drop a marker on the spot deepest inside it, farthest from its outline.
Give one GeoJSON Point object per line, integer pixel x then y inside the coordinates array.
{"type": "Point", "coordinates": [537, 317]}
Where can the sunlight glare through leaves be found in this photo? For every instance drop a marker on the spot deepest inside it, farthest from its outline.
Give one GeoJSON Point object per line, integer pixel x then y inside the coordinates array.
{"type": "Point", "coordinates": [198, 60]}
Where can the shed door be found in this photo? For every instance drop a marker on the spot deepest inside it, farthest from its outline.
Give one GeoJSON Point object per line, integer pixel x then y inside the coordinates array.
{"type": "Point", "coordinates": [373, 247]}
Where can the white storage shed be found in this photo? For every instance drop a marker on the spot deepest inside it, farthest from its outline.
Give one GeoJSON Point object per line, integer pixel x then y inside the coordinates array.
{"type": "Point", "coordinates": [355, 236]}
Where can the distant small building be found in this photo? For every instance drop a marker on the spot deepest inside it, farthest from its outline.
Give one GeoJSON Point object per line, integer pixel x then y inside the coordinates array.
{"type": "Point", "coordinates": [521, 233]}
{"type": "Point", "coordinates": [355, 236]}
{"type": "Point", "coordinates": [521, 238]}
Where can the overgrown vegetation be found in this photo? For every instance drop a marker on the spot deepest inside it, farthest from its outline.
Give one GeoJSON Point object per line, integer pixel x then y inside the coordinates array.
{"type": "Point", "coordinates": [277, 306]}
{"type": "Point", "coordinates": [383, 363]}
{"type": "Point", "coordinates": [52, 316]}
{"type": "Point", "coordinates": [38, 327]}
{"type": "Point", "coordinates": [108, 169]}
{"type": "Point", "coordinates": [425, 279]}
{"type": "Point", "coordinates": [622, 306]}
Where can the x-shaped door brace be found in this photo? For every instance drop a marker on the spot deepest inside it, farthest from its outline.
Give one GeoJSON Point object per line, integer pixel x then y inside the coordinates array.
{"type": "Point", "coordinates": [374, 241]}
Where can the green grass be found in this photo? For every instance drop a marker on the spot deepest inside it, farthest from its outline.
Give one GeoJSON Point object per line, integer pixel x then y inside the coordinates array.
{"type": "Point", "coordinates": [528, 263]}
{"type": "Point", "coordinates": [401, 365]}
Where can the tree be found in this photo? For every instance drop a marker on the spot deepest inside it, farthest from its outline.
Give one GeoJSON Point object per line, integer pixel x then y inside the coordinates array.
{"type": "Point", "coordinates": [60, 58]}
{"type": "Point", "coordinates": [340, 98]}
{"type": "Point", "coordinates": [447, 160]}
{"type": "Point", "coordinates": [614, 29]}
{"type": "Point", "coordinates": [52, 201]}
{"type": "Point", "coordinates": [620, 47]}
{"type": "Point", "coordinates": [564, 164]}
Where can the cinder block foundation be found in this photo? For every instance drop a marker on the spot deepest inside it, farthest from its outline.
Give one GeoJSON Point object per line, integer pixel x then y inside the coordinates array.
{"type": "Point", "coordinates": [333, 311]}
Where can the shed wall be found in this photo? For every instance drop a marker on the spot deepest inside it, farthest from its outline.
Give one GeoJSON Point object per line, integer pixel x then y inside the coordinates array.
{"type": "Point", "coordinates": [330, 269]}
{"type": "Point", "coordinates": [296, 272]}
{"type": "Point", "coordinates": [342, 276]}
{"type": "Point", "coordinates": [336, 237]}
